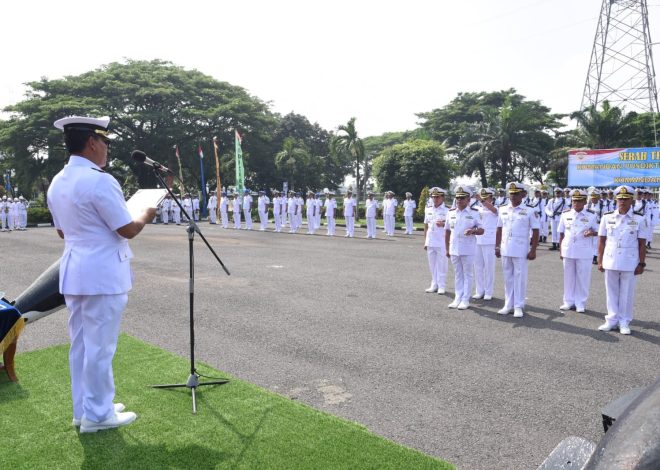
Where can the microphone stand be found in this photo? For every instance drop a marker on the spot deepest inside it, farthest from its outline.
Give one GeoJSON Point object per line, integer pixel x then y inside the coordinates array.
{"type": "Point", "coordinates": [193, 379]}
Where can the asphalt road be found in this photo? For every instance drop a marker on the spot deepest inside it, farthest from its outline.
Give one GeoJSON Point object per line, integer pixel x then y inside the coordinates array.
{"type": "Point", "coordinates": [344, 325]}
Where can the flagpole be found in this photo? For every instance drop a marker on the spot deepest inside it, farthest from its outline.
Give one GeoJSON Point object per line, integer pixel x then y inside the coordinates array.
{"type": "Point", "coordinates": [218, 183]}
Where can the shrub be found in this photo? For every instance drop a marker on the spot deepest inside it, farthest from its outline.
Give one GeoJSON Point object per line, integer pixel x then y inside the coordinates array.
{"type": "Point", "coordinates": [39, 215]}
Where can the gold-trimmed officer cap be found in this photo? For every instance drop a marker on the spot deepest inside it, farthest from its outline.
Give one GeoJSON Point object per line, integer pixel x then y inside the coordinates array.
{"type": "Point", "coordinates": [485, 192]}
{"type": "Point", "coordinates": [559, 190]}
{"type": "Point", "coordinates": [578, 195]}
{"type": "Point", "coordinates": [623, 192]}
{"type": "Point", "coordinates": [567, 190]}
{"type": "Point", "coordinates": [435, 191]}
{"type": "Point", "coordinates": [595, 192]}
{"type": "Point", "coordinates": [85, 124]}
{"type": "Point", "coordinates": [408, 194]}
{"type": "Point", "coordinates": [462, 191]}
{"type": "Point", "coordinates": [514, 187]}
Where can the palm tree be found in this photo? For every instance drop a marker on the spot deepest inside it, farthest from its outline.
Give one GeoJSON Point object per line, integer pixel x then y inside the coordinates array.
{"type": "Point", "coordinates": [292, 159]}
{"type": "Point", "coordinates": [349, 142]}
{"type": "Point", "coordinates": [607, 128]}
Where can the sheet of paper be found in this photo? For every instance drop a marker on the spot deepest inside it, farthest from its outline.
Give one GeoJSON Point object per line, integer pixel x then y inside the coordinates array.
{"type": "Point", "coordinates": [143, 199]}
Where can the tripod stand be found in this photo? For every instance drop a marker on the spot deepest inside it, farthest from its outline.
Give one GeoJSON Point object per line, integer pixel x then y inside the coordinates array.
{"type": "Point", "coordinates": [193, 379]}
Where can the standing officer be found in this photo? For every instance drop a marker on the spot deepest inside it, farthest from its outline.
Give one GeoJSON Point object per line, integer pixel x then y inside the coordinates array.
{"type": "Point", "coordinates": [512, 244]}
{"type": "Point", "coordinates": [621, 254]}
{"type": "Point", "coordinates": [434, 240]}
{"type": "Point", "coordinates": [90, 214]}
{"type": "Point", "coordinates": [350, 212]}
{"type": "Point", "coordinates": [195, 207]}
{"type": "Point", "coordinates": [370, 209]}
{"type": "Point", "coordinates": [311, 212]}
{"type": "Point", "coordinates": [598, 207]}
{"type": "Point", "coordinates": [236, 209]}
{"type": "Point", "coordinates": [330, 208]}
{"type": "Point", "coordinates": [224, 205]}
{"type": "Point", "coordinates": [553, 210]}
{"type": "Point", "coordinates": [247, 209]}
{"type": "Point", "coordinates": [543, 218]}
{"type": "Point", "coordinates": [409, 207]}
{"type": "Point", "coordinates": [212, 206]}
{"type": "Point", "coordinates": [165, 209]}
{"type": "Point", "coordinates": [484, 260]}
{"type": "Point", "coordinates": [577, 228]}
{"type": "Point", "coordinates": [463, 223]}
{"type": "Point", "coordinates": [277, 210]}
{"type": "Point", "coordinates": [4, 213]}
{"type": "Point", "coordinates": [262, 207]}
{"type": "Point", "coordinates": [501, 199]}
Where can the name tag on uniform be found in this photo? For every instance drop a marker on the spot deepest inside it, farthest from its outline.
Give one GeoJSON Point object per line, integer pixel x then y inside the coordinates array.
{"type": "Point", "coordinates": [632, 222]}
{"type": "Point", "coordinates": [584, 220]}
{"type": "Point", "coordinates": [523, 212]}
{"type": "Point", "coordinates": [469, 217]}
{"type": "Point", "coordinates": [504, 213]}
{"type": "Point", "coordinates": [611, 221]}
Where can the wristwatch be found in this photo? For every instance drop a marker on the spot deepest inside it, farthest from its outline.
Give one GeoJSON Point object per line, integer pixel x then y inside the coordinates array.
{"type": "Point", "coordinates": [643, 265]}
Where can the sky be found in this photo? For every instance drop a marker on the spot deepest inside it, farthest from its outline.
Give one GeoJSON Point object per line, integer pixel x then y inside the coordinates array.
{"type": "Point", "coordinates": [380, 62]}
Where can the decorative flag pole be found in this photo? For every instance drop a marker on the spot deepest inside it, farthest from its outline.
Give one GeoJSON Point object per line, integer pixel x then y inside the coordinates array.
{"type": "Point", "coordinates": [178, 159]}
{"type": "Point", "coordinates": [240, 175]}
{"type": "Point", "coordinates": [201, 172]}
{"type": "Point", "coordinates": [218, 183]}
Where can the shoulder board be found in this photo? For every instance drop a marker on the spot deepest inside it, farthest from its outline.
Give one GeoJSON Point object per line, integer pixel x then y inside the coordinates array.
{"type": "Point", "coordinates": [474, 209]}
{"type": "Point", "coordinates": [452, 209]}
{"type": "Point", "coordinates": [96, 169]}
{"type": "Point", "coordinates": [639, 213]}
{"type": "Point", "coordinates": [565, 210]}
{"type": "Point", "coordinates": [608, 213]}
{"type": "Point", "coordinates": [530, 205]}
{"type": "Point", "coordinates": [590, 210]}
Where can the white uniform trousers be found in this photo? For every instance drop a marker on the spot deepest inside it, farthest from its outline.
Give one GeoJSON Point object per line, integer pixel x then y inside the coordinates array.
{"type": "Point", "coordinates": [311, 223]}
{"type": "Point", "coordinates": [237, 219]}
{"type": "Point", "coordinates": [484, 269]}
{"type": "Point", "coordinates": [594, 245]}
{"type": "Point", "coordinates": [331, 225]}
{"type": "Point", "coordinates": [278, 222]}
{"type": "Point", "coordinates": [23, 220]}
{"type": "Point", "coordinates": [177, 217]}
{"type": "Point", "coordinates": [225, 219]}
{"type": "Point", "coordinates": [620, 288]}
{"type": "Point", "coordinates": [317, 221]}
{"type": "Point", "coordinates": [248, 219]}
{"type": "Point", "coordinates": [93, 328]}
{"type": "Point", "coordinates": [350, 225]}
{"type": "Point", "coordinates": [213, 218]}
{"type": "Point", "coordinates": [437, 256]}
{"type": "Point", "coordinates": [409, 224]}
{"type": "Point", "coordinates": [3, 220]}
{"type": "Point", "coordinates": [514, 270]}
{"type": "Point", "coordinates": [371, 227]}
{"type": "Point", "coordinates": [165, 217]}
{"type": "Point", "coordinates": [293, 223]}
{"type": "Point", "coordinates": [463, 276]}
{"type": "Point", "coordinates": [554, 223]}
{"type": "Point", "coordinates": [577, 280]}
{"type": "Point", "coordinates": [543, 232]}
{"type": "Point", "coordinates": [391, 225]}
{"type": "Point", "coordinates": [283, 219]}
{"type": "Point", "coordinates": [263, 220]}
{"type": "Point", "coordinates": [11, 220]}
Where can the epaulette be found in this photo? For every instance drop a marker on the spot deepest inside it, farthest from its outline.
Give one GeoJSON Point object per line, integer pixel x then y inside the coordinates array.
{"type": "Point", "coordinates": [590, 210]}
{"type": "Point", "coordinates": [565, 210]}
{"type": "Point", "coordinates": [474, 209]}
{"type": "Point", "coordinates": [529, 205]}
{"type": "Point", "coordinates": [100, 171]}
{"type": "Point", "coordinates": [452, 209]}
{"type": "Point", "coordinates": [641, 213]}
{"type": "Point", "coordinates": [608, 213]}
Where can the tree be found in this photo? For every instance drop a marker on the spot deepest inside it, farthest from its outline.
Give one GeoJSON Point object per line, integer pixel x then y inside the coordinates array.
{"type": "Point", "coordinates": [153, 105]}
{"type": "Point", "coordinates": [607, 128]}
{"type": "Point", "coordinates": [292, 161]}
{"type": "Point", "coordinates": [411, 166]}
{"type": "Point", "coordinates": [347, 141]}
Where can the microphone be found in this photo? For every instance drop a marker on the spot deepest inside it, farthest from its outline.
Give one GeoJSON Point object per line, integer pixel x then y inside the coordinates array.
{"type": "Point", "coordinates": [141, 157]}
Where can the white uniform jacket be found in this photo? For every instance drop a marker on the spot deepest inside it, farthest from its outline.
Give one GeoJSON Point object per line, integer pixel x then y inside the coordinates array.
{"type": "Point", "coordinates": [622, 232]}
{"type": "Point", "coordinates": [516, 223]}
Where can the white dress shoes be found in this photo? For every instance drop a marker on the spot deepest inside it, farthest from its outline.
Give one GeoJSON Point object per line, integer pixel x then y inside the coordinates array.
{"type": "Point", "coordinates": [454, 304]}
{"type": "Point", "coordinates": [624, 330]}
{"type": "Point", "coordinates": [477, 296]}
{"type": "Point", "coordinates": [518, 312]}
{"type": "Point", "coordinates": [504, 311]}
{"type": "Point", "coordinates": [579, 309]}
{"type": "Point", "coordinates": [431, 290]}
{"type": "Point", "coordinates": [463, 306]}
{"type": "Point", "coordinates": [119, 407]}
{"type": "Point", "coordinates": [488, 297]}
{"type": "Point", "coordinates": [606, 327]}
{"type": "Point", "coordinates": [114, 421]}
{"type": "Point", "coordinates": [441, 291]}
{"type": "Point", "coordinates": [565, 307]}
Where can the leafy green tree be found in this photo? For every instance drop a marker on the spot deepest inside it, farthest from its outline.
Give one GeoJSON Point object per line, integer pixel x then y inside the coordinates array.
{"type": "Point", "coordinates": [293, 161]}
{"type": "Point", "coordinates": [606, 128]}
{"type": "Point", "coordinates": [421, 204]}
{"type": "Point", "coordinates": [411, 166]}
{"type": "Point", "coordinates": [153, 105]}
{"type": "Point", "coordinates": [348, 142]}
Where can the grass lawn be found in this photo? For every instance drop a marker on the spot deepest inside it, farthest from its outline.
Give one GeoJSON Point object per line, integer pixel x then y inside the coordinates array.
{"type": "Point", "coordinates": [237, 425]}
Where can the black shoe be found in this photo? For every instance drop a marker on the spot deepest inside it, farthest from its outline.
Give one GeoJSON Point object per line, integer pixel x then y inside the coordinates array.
{"type": "Point", "coordinates": [553, 247]}
{"type": "Point", "coordinates": [595, 261]}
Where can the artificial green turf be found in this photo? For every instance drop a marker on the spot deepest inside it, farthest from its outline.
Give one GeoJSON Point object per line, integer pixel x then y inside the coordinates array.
{"type": "Point", "coordinates": [238, 425]}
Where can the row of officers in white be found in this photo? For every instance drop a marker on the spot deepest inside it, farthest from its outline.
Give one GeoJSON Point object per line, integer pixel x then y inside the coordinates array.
{"type": "Point", "coordinates": [472, 236]}
{"type": "Point", "coordinates": [13, 213]}
{"type": "Point", "coordinates": [289, 210]}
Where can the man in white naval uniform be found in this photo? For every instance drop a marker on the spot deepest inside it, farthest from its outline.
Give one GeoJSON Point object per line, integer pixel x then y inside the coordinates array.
{"type": "Point", "coordinates": [598, 207]}
{"type": "Point", "coordinates": [277, 211]}
{"type": "Point", "coordinates": [195, 208]}
{"type": "Point", "coordinates": [462, 225]}
{"type": "Point", "coordinates": [484, 259]}
{"type": "Point", "coordinates": [176, 210]}
{"type": "Point", "coordinates": [434, 240]}
{"type": "Point", "coordinates": [621, 256]}
{"type": "Point", "coordinates": [236, 209]}
{"type": "Point", "coordinates": [311, 208]}
{"type": "Point", "coordinates": [501, 199]}
{"type": "Point", "coordinates": [350, 212]}
{"type": "Point", "coordinates": [543, 218]}
{"type": "Point", "coordinates": [165, 208]}
{"type": "Point", "coordinates": [553, 210]}
{"type": "Point", "coordinates": [292, 211]}
{"type": "Point", "coordinates": [370, 209]}
{"type": "Point", "coordinates": [13, 214]}
{"type": "Point", "coordinates": [247, 209]}
{"type": "Point", "coordinates": [512, 244]}
{"type": "Point", "coordinates": [212, 206]}
{"type": "Point", "coordinates": [22, 213]}
{"type": "Point", "coordinates": [90, 214]}
{"type": "Point", "coordinates": [409, 206]}
{"type": "Point", "coordinates": [330, 208]}
{"type": "Point", "coordinates": [262, 208]}
{"type": "Point", "coordinates": [389, 212]}
{"type": "Point", "coordinates": [642, 207]}
{"type": "Point", "coordinates": [577, 228]}
{"type": "Point", "coordinates": [319, 205]}
{"type": "Point", "coordinates": [224, 209]}
{"type": "Point", "coordinates": [4, 213]}
{"type": "Point", "coordinates": [187, 206]}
